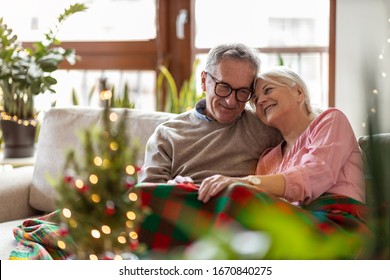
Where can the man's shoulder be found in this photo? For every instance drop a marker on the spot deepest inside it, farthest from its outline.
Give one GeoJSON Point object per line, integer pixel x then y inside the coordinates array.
{"type": "Point", "coordinates": [178, 120]}
{"type": "Point", "coordinates": [181, 117]}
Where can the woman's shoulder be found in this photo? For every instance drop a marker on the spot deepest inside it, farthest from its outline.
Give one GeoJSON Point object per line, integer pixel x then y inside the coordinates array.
{"type": "Point", "coordinates": [331, 121]}
{"type": "Point", "coordinates": [331, 115]}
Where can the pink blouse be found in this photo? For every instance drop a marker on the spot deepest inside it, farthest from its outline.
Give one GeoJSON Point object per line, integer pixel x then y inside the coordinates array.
{"type": "Point", "coordinates": [325, 158]}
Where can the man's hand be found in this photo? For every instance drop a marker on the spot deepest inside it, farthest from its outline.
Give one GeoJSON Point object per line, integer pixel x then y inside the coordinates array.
{"type": "Point", "coordinates": [181, 180]}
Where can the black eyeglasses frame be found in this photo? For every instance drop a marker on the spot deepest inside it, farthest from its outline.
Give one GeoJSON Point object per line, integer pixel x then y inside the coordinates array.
{"type": "Point", "coordinates": [218, 82]}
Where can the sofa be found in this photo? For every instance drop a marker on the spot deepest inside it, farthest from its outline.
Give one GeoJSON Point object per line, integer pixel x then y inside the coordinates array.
{"type": "Point", "coordinates": [26, 191]}
{"type": "Point", "coordinates": [376, 156]}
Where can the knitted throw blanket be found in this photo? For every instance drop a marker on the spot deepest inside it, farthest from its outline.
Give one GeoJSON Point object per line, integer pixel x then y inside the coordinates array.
{"type": "Point", "coordinates": [177, 218]}
{"type": "Point", "coordinates": [37, 239]}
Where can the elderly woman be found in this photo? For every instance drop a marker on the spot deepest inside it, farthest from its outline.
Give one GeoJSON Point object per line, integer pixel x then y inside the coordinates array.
{"type": "Point", "coordinates": [319, 154]}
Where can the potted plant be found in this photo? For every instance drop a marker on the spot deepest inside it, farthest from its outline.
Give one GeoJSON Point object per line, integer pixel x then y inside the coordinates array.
{"type": "Point", "coordinates": [25, 73]}
{"type": "Point", "coordinates": [169, 98]}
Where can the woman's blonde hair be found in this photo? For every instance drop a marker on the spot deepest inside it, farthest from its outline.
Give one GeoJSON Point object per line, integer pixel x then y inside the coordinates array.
{"type": "Point", "coordinates": [284, 76]}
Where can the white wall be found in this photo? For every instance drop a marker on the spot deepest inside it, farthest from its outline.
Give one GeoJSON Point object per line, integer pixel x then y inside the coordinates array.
{"type": "Point", "coordinates": [362, 30]}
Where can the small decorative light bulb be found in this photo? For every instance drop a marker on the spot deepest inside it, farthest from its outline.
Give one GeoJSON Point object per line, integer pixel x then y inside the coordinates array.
{"type": "Point", "coordinates": [133, 196]}
{"type": "Point", "coordinates": [61, 244]}
{"type": "Point", "coordinates": [131, 215]}
{"type": "Point", "coordinates": [93, 179]}
{"type": "Point", "coordinates": [105, 95]}
{"type": "Point", "coordinates": [106, 229]}
{"type": "Point", "coordinates": [93, 257]}
{"type": "Point", "coordinates": [130, 169]}
{"type": "Point", "coordinates": [114, 146]}
{"type": "Point", "coordinates": [133, 235]}
{"type": "Point", "coordinates": [97, 161]}
{"type": "Point", "coordinates": [113, 117]}
{"type": "Point", "coordinates": [122, 239]}
{"type": "Point", "coordinates": [95, 198]}
{"type": "Point", "coordinates": [95, 233]}
{"type": "Point", "coordinates": [66, 213]}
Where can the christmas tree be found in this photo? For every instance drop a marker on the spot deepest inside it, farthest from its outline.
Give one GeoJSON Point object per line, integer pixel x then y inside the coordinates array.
{"type": "Point", "coordinates": [100, 208]}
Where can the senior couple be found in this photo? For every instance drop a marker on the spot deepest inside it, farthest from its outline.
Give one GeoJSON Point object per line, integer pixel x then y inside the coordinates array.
{"type": "Point", "coordinates": [259, 131]}
{"type": "Point", "coordinates": [222, 141]}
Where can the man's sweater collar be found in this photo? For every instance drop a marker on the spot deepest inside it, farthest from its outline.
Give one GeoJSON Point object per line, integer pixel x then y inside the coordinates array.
{"type": "Point", "coordinates": [200, 108]}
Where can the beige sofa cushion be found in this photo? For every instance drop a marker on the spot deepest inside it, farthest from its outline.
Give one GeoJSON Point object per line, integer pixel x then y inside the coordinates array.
{"type": "Point", "coordinates": [14, 194]}
{"type": "Point", "coordinates": [60, 132]}
{"type": "Point", "coordinates": [7, 239]}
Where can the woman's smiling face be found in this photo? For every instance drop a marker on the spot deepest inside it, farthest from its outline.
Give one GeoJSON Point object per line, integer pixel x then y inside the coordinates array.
{"type": "Point", "coordinates": [274, 102]}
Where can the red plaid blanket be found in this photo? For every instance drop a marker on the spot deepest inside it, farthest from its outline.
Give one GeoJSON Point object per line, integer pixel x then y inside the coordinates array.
{"type": "Point", "coordinates": [177, 218]}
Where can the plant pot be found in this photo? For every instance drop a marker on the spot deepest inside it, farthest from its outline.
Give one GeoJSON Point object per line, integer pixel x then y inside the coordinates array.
{"type": "Point", "coordinates": [19, 139]}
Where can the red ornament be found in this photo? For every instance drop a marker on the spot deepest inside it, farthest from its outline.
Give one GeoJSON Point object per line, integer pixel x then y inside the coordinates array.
{"type": "Point", "coordinates": [130, 182]}
{"type": "Point", "coordinates": [109, 211]}
{"type": "Point", "coordinates": [63, 232]}
{"type": "Point", "coordinates": [68, 179]}
{"type": "Point", "coordinates": [110, 208]}
{"type": "Point", "coordinates": [83, 189]}
{"type": "Point", "coordinates": [108, 256]}
{"type": "Point", "coordinates": [134, 244]}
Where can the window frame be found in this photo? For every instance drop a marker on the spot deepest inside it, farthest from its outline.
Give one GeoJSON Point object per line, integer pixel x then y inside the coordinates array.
{"type": "Point", "coordinates": [177, 54]}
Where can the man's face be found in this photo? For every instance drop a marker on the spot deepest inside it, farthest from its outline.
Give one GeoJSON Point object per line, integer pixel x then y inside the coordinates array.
{"type": "Point", "coordinates": [237, 74]}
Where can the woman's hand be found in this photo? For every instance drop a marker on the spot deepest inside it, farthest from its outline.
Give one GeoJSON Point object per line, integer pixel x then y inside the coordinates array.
{"type": "Point", "coordinates": [213, 185]}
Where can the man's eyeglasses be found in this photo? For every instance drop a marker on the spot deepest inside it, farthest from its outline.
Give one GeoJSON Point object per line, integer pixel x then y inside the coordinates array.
{"type": "Point", "coordinates": [222, 89]}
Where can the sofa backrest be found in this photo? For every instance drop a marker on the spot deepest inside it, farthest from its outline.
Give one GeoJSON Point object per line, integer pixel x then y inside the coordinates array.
{"type": "Point", "coordinates": [60, 132]}
{"type": "Point", "coordinates": [376, 155]}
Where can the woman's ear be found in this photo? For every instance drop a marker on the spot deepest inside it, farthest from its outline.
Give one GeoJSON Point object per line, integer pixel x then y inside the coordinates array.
{"type": "Point", "coordinates": [300, 94]}
{"type": "Point", "coordinates": [203, 76]}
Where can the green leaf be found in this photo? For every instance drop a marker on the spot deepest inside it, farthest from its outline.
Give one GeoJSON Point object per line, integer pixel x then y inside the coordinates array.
{"type": "Point", "coordinates": [49, 80]}
{"type": "Point", "coordinates": [91, 93]}
{"type": "Point", "coordinates": [75, 99]}
{"type": "Point", "coordinates": [172, 88]}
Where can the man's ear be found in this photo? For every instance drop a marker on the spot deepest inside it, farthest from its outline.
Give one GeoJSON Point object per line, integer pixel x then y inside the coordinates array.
{"type": "Point", "coordinates": [203, 80]}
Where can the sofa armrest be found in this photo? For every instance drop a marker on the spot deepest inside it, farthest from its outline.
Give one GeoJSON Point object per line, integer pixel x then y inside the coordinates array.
{"type": "Point", "coordinates": [14, 194]}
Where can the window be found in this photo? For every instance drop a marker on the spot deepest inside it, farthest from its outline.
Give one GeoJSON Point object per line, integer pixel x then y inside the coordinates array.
{"type": "Point", "coordinates": [114, 38]}
{"type": "Point", "coordinates": [105, 20]}
{"type": "Point", "coordinates": [296, 35]}
{"type": "Point", "coordinates": [126, 40]}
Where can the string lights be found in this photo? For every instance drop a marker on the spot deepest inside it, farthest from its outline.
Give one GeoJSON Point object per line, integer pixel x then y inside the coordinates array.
{"type": "Point", "coordinates": [101, 210]}
{"type": "Point", "coordinates": [7, 117]}
{"type": "Point", "coordinates": [383, 60]}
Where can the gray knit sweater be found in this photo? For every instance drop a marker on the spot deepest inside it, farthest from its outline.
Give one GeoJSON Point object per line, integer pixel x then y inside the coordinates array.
{"type": "Point", "coordinates": [192, 146]}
